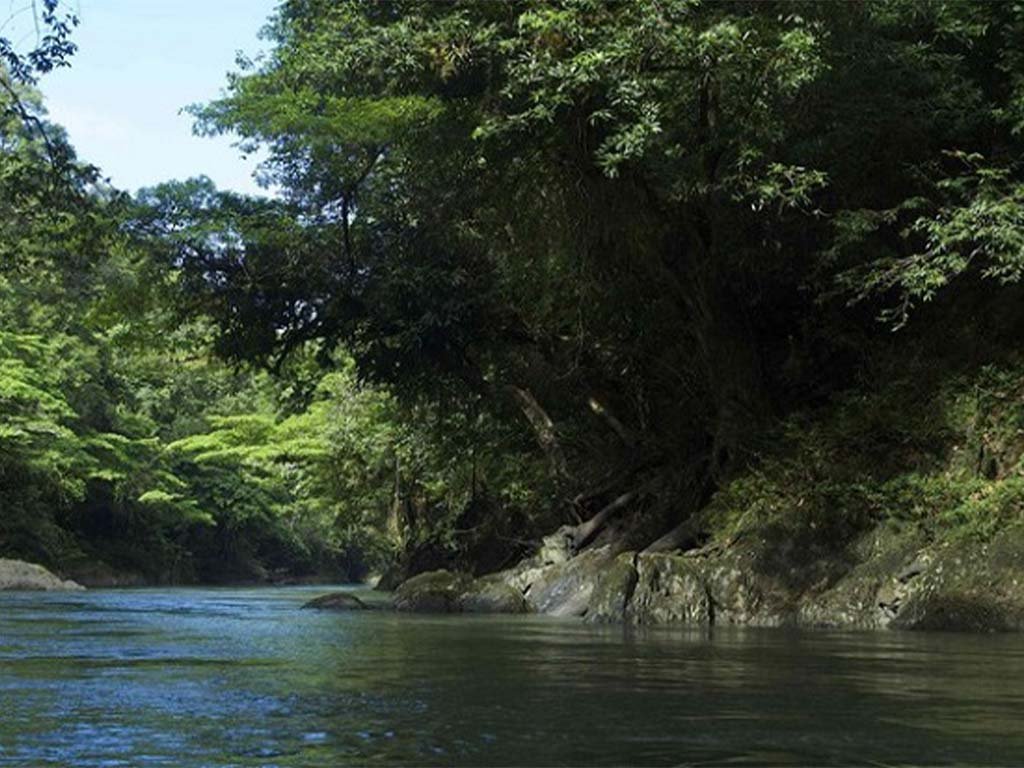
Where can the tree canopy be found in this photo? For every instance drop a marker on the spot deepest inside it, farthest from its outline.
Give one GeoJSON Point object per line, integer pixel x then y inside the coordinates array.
{"type": "Point", "coordinates": [583, 262]}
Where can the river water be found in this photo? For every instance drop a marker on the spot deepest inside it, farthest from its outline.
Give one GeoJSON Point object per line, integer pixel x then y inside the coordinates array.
{"type": "Point", "coordinates": [243, 677]}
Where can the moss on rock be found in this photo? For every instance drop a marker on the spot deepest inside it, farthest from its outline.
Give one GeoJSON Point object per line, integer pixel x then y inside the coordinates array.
{"type": "Point", "coordinates": [432, 592]}
{"type": "Point", "coordinates": [613, 591]}
{"type": "Point", "coordinates": [447, 592]}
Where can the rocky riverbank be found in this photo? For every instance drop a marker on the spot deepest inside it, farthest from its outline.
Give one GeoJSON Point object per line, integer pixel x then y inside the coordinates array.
{"type": "Point", "coordinates": [18, 575]}
{"type": "Point", "coordinates": [886, 578]}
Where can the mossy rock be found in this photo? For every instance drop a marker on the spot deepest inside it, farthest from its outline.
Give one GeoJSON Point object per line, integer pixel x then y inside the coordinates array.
{"type": "Point", "coordinates": [447, 592]}
{"type": "Point", "coordinates": [960, 612]}
{"type": "Point", "coordinates": [742, 593]}
{"type": "Point", "coordinates": [874, 591]}
{"type": "Point", "coordinates": [975, 586]}
{"type": "Point", "coordinates": [492, 595]}
{"type": "Point", "coordinates": [611, 596]}
{"type": "Point", "coordinates": [432, 592]}
{"type": "Point", "coordinates": [670, 589]}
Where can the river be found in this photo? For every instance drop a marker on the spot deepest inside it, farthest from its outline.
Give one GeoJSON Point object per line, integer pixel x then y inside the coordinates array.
{"type": "Point", "coordinates": [243, 677]}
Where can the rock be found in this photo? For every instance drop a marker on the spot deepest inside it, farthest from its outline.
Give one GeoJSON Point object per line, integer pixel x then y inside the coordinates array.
{"type": "Point", "coordinates": [888, 577]}
{"type": "Point", "coordinates": [492, 595]}
{"type": "Point", "coordinates": [18, 575]}
{"type": "Point", "coordinates": [446, 592]}
{"type": "Point", "coordinates": [611, 596]}
{"type": "Point", "coordinates": [670, 589]}
{"type": "Point", "coordinates": [556, 548]}
{"type": "Point", "coordinates": [520, 577]}
{"type": "Point", "coordinates": [905, 582]}
{"type": "Point", "coordinates": [741, 593]}
{"type": "Point", "coordinates": [432, 592]}
{"type": "Point", "coordinates": [660, 588]}
{"type": "Point", "coordinates": [565, 589]}
{"type": "Point", "coordinates": [338, 601]}
{"type": "Point", "coordinates": [916, 568]}
{"type": "Point", "coordinates": [958, 611]}
{"type": "Point", "coordinates": [875, 589]}
{"type": "Point", "coordinates": [968, 586]}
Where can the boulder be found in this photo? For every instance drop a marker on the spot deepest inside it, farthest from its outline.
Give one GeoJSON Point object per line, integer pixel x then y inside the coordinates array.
{"type": "Point", "coordinates": [18, 575]}
{"type": "Point", "coordinates": [967, 585]}
{"type": "Point", "coordinates": [338, 601]}
{"type": "Point", "coordinates": [613, 592]}
{"type": "Point", "coordinates": [886, 578]}
{"type": "Point", "coordinates": [447, 592]}
{"type": "Point", "coordinates": [908, 583]}
{"type": "Point", "coordinates": [554, 550]}
{"type": "Point", "coordinates": [741, 593]}
{"type": "Point", "coordinates": [670, 589]}
{"type": "Point", "coordinates": [565, 589]}
{"type": "Point", "coordinates": [491, 594]}
{"type": "Point", "coordinates": [872, 593]}
{"type": "Point", "coordinates": [660, 588]}
{"type": "Point", "coordinates": [432, 592]}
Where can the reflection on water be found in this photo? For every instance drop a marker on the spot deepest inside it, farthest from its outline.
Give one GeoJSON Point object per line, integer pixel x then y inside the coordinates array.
{"type": "Point", "coordinates": [242, 677]}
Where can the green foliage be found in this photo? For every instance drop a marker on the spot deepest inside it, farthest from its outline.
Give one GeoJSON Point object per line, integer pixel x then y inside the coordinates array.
{"type": "Point", "coordinates": [530, 257]}
{"type": "Point", "coordinates": [35, 437]}
{"type": "Point", "coordinates": [52, 47]}
{"type": "Point", "coordinates": [623, 231]}
{"type": "Point", "coordinates": [950, 462]}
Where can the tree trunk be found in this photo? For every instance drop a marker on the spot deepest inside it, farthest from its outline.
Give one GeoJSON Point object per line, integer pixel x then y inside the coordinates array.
{"type": "Point", "coordinates": [617, 426]}
{"type": "Point", "coordinates": [544, 429]}
{"type": "Point", "coordinates": [584, 532]}
{"type": "Point", "coordinates": [684, 536]}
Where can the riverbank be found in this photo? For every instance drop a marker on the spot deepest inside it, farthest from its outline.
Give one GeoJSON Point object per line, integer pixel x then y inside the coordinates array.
{"type": "Point", "coordinates": [886, 578]}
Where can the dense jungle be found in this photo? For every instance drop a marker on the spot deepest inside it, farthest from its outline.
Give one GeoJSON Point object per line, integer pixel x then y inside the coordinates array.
{"type": "Point", "coordinates": [665, 277]}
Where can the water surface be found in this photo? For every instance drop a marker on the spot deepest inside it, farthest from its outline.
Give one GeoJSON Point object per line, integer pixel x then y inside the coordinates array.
{"type": "Point", "coordinates": [242, 677]}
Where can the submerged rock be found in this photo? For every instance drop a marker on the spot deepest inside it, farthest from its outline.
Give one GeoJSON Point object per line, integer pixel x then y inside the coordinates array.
{"type": "Point", "coordinates": [338, 601]}
{"type": "Point", "coordinates": [18, 575]}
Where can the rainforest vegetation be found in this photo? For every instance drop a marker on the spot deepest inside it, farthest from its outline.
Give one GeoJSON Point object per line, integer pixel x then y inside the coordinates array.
{"type": "Point", "coordinates": [655, 270]}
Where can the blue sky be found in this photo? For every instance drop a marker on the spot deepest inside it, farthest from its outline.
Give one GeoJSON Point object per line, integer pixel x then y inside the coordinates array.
{"type": "Point", "coordinates": [139, 62]}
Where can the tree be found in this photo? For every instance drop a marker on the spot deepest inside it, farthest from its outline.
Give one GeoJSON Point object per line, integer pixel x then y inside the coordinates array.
{"type": "Point", "coordinates": [624, 220]}
{"type": "Point", "coordinates": [52, 45]}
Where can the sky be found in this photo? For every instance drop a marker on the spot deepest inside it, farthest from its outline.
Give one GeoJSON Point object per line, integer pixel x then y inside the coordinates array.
{"type": "Point", "coordinates": [139, 62]}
